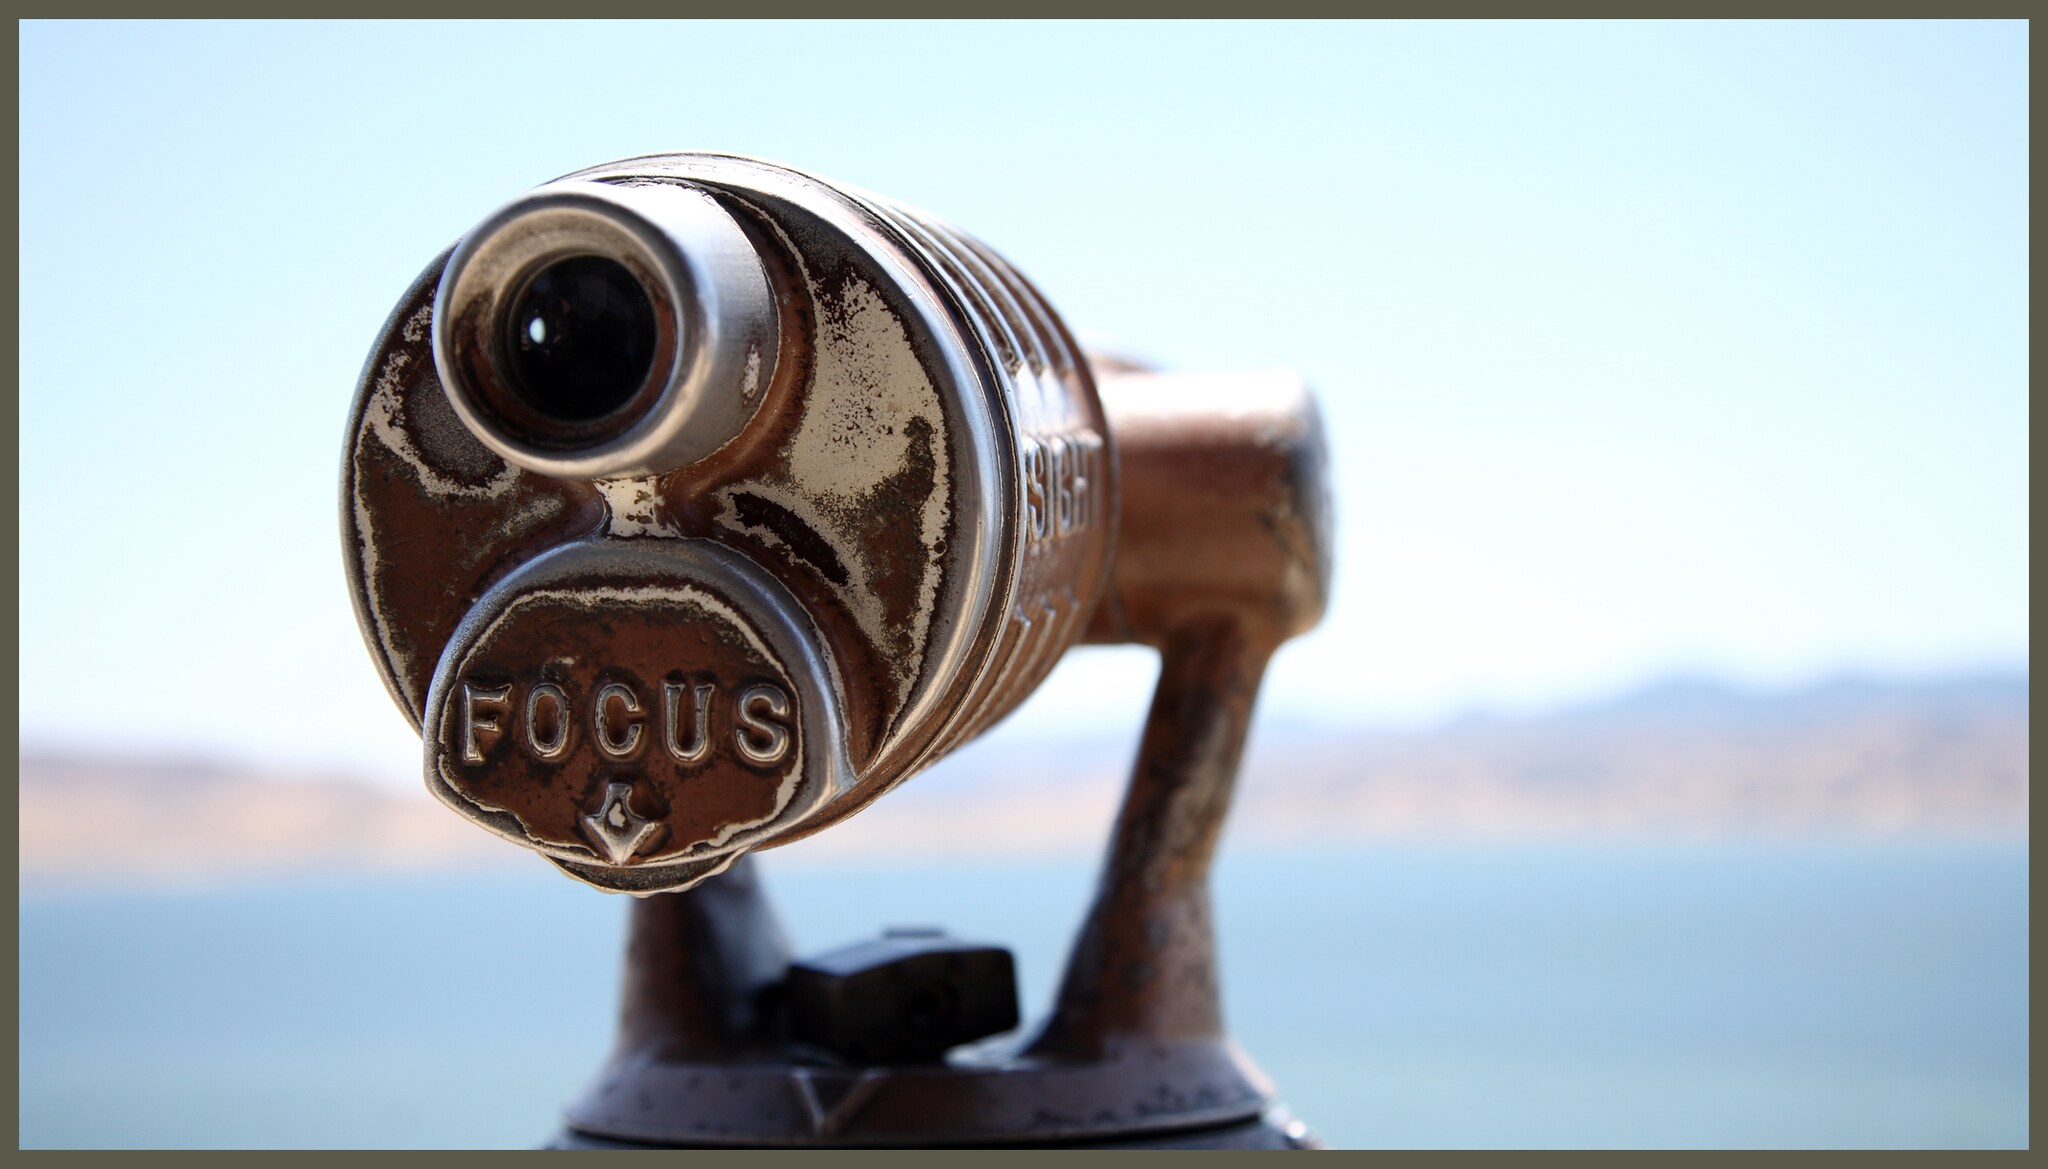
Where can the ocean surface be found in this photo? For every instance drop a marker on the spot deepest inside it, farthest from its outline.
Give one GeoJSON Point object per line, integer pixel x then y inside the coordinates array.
{"type": "Point", "coordinates": [1472, 995]}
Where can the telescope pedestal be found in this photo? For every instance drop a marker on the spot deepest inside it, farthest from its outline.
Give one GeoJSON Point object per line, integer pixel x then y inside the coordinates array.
{"type": "Point", "coordinates": [1134, 1054]}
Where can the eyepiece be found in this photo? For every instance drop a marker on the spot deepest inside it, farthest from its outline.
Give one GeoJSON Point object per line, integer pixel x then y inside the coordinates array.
{"type": "Point", "coordinates": [580, 338]}
{"type": "Point", "coordinates": [591, 330]}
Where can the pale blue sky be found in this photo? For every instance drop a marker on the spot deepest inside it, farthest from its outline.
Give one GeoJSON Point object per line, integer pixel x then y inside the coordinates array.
{"type": "Point", "coordinates": [1644, 347]}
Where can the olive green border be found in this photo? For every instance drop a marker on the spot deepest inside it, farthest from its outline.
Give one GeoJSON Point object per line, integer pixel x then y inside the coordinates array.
{"type": "Point", "coordinates": [10, 424]}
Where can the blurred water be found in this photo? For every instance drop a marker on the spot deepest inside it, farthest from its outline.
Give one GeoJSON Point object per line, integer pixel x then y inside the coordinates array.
{"type": "Point", "coordinates": [1528, 995]}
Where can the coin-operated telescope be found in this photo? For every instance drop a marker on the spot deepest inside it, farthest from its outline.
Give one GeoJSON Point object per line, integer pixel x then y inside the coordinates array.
{"type": "Point", "coordinates": [691, 503]}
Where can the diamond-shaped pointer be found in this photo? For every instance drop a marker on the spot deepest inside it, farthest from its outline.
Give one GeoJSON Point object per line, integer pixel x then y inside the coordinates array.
{"type": "Point", "coordinates": [615, 829]}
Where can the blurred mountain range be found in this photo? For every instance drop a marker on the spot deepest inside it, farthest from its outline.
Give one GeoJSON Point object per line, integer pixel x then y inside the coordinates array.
{"type": "Point", "coordinates": [1683, 758]}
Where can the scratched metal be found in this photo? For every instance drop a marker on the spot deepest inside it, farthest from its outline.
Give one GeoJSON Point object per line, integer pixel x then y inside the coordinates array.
{"type": "Point", "coordinates": [644, 676]}
{"type": "Point", "coordinates": [1223, 554]}
{"type": "Point", "coordinates": [641, 715]}
{"type": "Point", "coordinates": [1030, 444]}
{"type": "Point", "coordinates": [928, 474]}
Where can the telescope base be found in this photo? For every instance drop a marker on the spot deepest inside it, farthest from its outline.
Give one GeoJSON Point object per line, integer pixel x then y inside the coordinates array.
{"type": "Point", "coordinates": [1276, 1128]}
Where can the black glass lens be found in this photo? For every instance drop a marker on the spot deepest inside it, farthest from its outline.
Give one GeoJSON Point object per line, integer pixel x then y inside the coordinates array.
{"type": "Point", "coordinates": [581, 338]}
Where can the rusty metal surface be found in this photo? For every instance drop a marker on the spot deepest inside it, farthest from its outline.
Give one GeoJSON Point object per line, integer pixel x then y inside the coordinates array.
{"type": "Point", "coordinates": [1224, 553]}
{"type": "Point", "coordinates": [926, 475]}
{"type": "Point", "coordinates": [1014, 1101]}
{"type": "Point", "coordinates": [640, 714]}
{"type": "Point", "coordinates": [1274, 1129]}
{"type": "Point", "coordinates": [842, 524]}
{"type": "Point", "coordinates": [1226, 509]}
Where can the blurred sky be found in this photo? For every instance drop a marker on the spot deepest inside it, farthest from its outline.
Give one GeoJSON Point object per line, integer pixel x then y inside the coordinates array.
{"type": "Point", "coordinates": [1644, 348]}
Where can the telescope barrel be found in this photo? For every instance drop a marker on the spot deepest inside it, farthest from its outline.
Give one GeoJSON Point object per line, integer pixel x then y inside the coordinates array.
{"type": "Point", "coordinates": [693, 502]}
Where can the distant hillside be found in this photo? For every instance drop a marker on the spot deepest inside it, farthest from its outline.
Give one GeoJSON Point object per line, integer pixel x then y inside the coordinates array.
{"type": "Point", "coordinates": [98, 819]}
{"type": "Point", "coordinates": [1687, 757]}
{"type": "Point", "coordinates": [1682, 758]}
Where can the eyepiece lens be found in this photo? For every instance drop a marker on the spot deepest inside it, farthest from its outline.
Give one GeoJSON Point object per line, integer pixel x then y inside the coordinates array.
{"type": "Point", "coordinates": [580, 339]}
